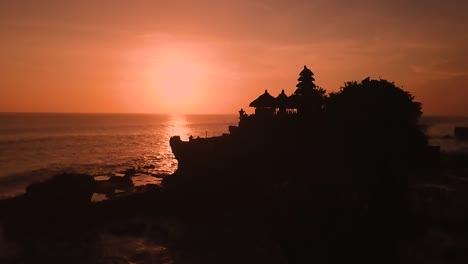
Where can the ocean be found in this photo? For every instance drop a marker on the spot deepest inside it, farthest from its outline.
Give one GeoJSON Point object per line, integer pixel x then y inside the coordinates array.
{"type": "Point", "coordinates": [35, 146]}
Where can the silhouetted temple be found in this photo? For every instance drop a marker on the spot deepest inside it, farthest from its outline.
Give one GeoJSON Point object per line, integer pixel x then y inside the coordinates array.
{"type": "Point", "coordinates": [305, 100]}
{"type": "Point", "coordinates": [265, 104]}
{"type": "Point", "coordinates": [362, 119]}
{"type": "Point", "coordinates": [284, 120]}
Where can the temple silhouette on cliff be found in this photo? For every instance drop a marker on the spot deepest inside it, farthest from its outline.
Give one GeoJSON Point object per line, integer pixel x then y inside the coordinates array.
{"type": "Point", "coordinates": [371, 118]}
{"type": "Point", "coordinates": [305, 103]}
{"type": "Point", "coordinates": [305, 100]}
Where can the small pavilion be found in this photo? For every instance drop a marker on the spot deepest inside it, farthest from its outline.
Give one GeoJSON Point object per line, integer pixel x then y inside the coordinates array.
{"type": "Point", "coordinates": [282, 103]}
{"type": "Point", "coordinates": [265, 104]}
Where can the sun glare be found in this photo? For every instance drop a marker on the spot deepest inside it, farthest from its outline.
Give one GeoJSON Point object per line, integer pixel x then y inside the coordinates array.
{"type": "Point", "coordinates": [177, 78]}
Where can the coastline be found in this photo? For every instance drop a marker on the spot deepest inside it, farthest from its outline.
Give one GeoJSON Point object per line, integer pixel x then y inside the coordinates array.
{"type": "Point", "coordinates": [358, 185]}
{"type": "Point", "coordinates": [160, 213]}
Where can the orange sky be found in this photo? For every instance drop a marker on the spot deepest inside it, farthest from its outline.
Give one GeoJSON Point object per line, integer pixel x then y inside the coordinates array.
{"type": "Point", "coordinates": [212, 56]}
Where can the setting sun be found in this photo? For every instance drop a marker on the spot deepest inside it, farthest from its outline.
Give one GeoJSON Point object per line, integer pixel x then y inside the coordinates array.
{"type": "Point", "coordinates": [176, 78]}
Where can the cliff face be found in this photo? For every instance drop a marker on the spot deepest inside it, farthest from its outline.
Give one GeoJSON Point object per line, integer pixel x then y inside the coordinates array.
{"type": "Point", "coordinates": [307, 180]}
{"type": "Point", "coordinates": [262, 152]}
{"type": "Point", "coordinates": [328, 174]}
{"type": "Point", "coordinates": [298, 143]}
{"type": "Point", "coordinates": [295, 156]}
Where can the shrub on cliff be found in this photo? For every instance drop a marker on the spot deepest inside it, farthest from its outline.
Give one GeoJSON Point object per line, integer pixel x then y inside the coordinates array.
{"type": "Point", "coordinates": [377, 116]}
{"type": "Point", "coordinates": [375, 140]}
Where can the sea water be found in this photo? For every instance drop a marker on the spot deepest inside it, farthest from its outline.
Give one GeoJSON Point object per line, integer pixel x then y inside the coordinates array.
{"type": "Point", "coordinates": [36, 146]}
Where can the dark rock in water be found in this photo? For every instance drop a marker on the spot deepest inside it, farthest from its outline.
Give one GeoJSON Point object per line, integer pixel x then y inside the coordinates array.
{"type": "Point", "coordinates": [121, 182]}
{"type": "Point", "coordinates": [64, 188]}
{"type": "Point", "coordinates": [461, 133]}
{"type": "Point", "coordinates": [153, 188]}
{"type": "Point", "coordinates": [60, 203]}
{"type": "Point", "coordinates": [158, 176]}
{"type": "Point", "coordinates": [129, 172]}
{"type": "Point", "coordinates": [114, 182]}
{"type": "Point", "coordinates": [104, 187]}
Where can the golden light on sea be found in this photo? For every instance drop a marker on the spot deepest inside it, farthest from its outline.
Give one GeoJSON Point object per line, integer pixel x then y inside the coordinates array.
{"type": "Point", "coordinates": [179, 127]}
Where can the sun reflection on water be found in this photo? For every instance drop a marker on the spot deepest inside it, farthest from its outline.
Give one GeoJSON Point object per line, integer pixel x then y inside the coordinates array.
{"type": "Point", "coordinates": [179, 127]}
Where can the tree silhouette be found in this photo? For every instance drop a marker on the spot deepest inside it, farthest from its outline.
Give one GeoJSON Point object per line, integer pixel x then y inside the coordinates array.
{"type": "Point", "coordinates": [379, 100]}
{"type": "Point", "coordinates": [378, 116]}
{"type": "Point", "coordinates": [374, 126]}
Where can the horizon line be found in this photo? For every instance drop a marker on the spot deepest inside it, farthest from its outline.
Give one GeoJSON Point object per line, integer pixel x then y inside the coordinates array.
{"type": "Point", "coordinates": [111, 113]}
{"type": "Point", "coordinates": [155, 113]}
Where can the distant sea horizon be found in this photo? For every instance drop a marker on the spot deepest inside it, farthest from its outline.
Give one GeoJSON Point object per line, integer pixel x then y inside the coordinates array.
{"type": "Point", "coordinates": [37, 145]}
{"type": "Point", "coordinates": [112, 113]}
{"type": "Point", "coordinates": [424, 115]}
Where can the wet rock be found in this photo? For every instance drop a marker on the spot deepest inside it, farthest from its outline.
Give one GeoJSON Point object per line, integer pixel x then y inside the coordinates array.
{"type": "Point", "coordinates": [118, 182]}
{"type": "Point", "coordinates": [60, 204]}
{"type": "Point", "coordinates": [71, 189]}
{"type": "Point", "coordinates": [130, 172]}
{"type": "Point", "coordinates": [159, 176]}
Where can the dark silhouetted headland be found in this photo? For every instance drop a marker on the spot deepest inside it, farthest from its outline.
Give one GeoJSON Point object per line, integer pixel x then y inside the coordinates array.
{"type": "Point", "coordinates": [310, 177]}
